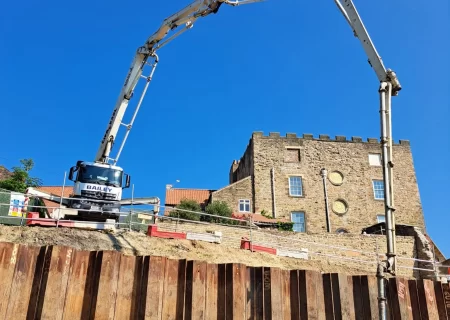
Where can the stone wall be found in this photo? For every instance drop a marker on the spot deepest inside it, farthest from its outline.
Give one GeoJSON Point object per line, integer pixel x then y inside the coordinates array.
{"type": "Point", "coordinates": [243, 167]}
{"type": "Point", "coordinates": [346, 159]}
{"type": "Point", "coordinates": [231, 194]}
{"type": "Point", "coordinates": [351, 250]}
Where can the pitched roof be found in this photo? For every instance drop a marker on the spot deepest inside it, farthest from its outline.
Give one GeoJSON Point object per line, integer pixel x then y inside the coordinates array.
{"type": "Point", "coordinates": [174, 196]}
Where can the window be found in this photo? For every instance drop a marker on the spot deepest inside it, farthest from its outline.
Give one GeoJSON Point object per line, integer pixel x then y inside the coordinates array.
{"type": "Point", "coordinates": [375, 159]}
{"type": "Point", "coordinates": [298, 218]}
{"type": "Point", "coordinates": [381, 218]}
{"type": "Point", "coordinates": [292, 155]}
{"type": "Point", "coordinates": [295, 186]}
{"type": "Point", "coordinates": [244, 205]}
{"type": "Point", "coordinates": [378, 189]}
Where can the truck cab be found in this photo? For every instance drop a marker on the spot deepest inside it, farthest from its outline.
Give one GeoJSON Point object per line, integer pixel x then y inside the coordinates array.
{"type": "Point", "coordinates": [97, 190]}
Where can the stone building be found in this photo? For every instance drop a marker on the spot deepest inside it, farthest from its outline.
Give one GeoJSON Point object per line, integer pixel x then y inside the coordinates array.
{"type": "Point", "coordinates": [283, 176]}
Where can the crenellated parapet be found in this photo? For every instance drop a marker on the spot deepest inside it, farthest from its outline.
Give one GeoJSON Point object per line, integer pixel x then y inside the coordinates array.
{"type": "Point", "coordinates": [322, 137]}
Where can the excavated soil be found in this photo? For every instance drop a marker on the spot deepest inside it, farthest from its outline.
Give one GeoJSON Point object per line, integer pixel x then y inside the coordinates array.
{"type": "Point", "coordinates": [135, 243]}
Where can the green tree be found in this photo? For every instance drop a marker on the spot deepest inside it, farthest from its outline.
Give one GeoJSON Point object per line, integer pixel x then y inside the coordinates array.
{"type": "Point", "coordinates": [218, 208]}
{"type": "Point", "coordinates": [20, 179]}
{"type": "Point", "coordinates": [188, 205]}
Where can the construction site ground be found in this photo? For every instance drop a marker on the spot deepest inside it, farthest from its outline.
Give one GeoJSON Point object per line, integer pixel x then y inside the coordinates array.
{"type": "Point", "coordinates": [138, 243]}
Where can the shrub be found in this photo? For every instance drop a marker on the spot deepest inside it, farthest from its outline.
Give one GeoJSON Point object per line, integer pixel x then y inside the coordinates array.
{"type": "Point", "coordinates": [189, 205]}
{"type": "Point", "coordinates": [218, 208]}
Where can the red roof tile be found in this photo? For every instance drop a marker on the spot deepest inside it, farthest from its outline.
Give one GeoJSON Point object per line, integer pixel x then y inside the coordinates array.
{"type": "Point", "coordinates": [174, 196]}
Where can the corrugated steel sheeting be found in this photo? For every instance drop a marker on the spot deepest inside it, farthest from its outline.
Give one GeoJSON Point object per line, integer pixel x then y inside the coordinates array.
{"type": "Point", "coordinates": [62, 283]}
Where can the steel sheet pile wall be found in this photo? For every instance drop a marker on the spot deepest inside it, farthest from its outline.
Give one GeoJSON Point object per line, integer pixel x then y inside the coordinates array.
{"type": "Point", "coordinates": [63, 283]}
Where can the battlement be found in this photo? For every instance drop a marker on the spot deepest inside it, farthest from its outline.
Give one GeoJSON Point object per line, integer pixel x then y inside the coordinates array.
{"type": "Point", "coordinates": [322, 137]}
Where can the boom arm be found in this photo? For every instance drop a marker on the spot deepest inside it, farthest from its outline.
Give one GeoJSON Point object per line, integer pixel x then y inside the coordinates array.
{"type": "Point", "coordinates": [350, 13]}
{"type": "Point", "coordinates": [187, 17]}
{"type": "Point", "coordinates": [389, 86]}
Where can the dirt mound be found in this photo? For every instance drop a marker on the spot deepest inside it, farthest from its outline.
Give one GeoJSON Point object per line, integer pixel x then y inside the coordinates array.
{"type": "Point", "coordinates": [136, 243]}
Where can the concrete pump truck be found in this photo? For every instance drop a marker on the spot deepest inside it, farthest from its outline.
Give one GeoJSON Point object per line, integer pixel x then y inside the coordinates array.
{"type": "Point", "coordinates": [98, 184]}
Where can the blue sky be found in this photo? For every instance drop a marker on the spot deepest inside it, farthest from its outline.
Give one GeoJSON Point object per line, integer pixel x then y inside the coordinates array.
{"type": "Point", "coordinates": [283, 66]}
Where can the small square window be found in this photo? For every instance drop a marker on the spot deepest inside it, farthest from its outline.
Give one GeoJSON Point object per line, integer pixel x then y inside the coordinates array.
{"type": "Point", "coordinates": [244, 205]}
{"type": "Point", "coordinates": [381, 218]}
{"type": "Point", "coordinates": [295, 186]}
{"type": "Point", "coordinates": [378, 189]}
{"type": "Point", "coordinates": [298, 218]}
{"type": "Point", "coordinates": [375, 159]}
{"type": "Point", "coordinates": [292, 155]}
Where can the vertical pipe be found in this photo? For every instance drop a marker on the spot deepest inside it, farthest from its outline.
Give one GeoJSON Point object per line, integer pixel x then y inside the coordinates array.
{"type": "Point", "coordinates": [274, 205]}
{"type": "Point", "coordinates": [387, 173]}
{"type": "Point", "coordinates": [381, 293]}
{"type": "Point", "coordinates": [324, 179]}
{"type": "Point", "coordinates": [251, 235]}
{"type": "Point", "coordinates": [131, 209]}
{"type": "Point", "coordinates": [61, 199]}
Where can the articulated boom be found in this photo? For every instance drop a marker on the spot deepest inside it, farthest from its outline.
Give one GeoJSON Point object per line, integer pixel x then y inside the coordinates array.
{"type": "Point", "coordinates": [186, 17]}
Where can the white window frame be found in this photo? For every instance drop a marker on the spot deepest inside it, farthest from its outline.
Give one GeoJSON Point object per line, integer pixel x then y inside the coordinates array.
{"type": "Point", "coordinates": [301, 186]}
{"type": "Point", "coordinates": [381, 215]}
{"type": "Point", "coordinates": [304, 220]}
{"type": "Point", "coordinates": [375, 190]}
{"type": "Point", "coordinates": [373, 162]}
{"type": "Point", "coordinates": [244, 202]}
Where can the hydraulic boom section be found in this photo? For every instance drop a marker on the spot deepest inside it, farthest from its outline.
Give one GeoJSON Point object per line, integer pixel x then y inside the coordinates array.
{"type": "Point", "coordinates": [389, 86]}
{"type": "Point", "coordinates": [186, 17]}
{"type": "Point", "coordinates": [99, 184]}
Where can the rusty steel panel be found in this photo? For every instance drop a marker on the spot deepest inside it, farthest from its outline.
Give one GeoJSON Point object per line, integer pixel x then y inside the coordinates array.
{"type": "Point", "coordinates": [400, 299]}
{"type": "Point", "coordinates": [446, 294]}
{"type": "Point", "coordinates": [259, 293]}
{"type": "Point", "coordinates": [328, 296]}
{"type": "Point", "coordinates": [238, 271]}
{"type": "Point", "coordinates": [79, 289]}
{"type": "Point", "coordinates": [22, 283]}
{"type": "Point", "coordinates": [369, 296]}
{"type": "Point", "coordinates": [105, 302]}
{"type": "Point", "coordinates": [8, 258]}
{"type": "Point", "coordinates": [53, 292]}
{"type": "Point", "coordinates": [174, 287]}
{"type": "Point", "coordinates": [221, 291]}
{"type": "Point", "coordinates": [427, 299]}
{"type": "Point", "coordinates": [198, 289]}
{"type": "Point", "coordinates": [267, 296]}
{"type": "Point", "coordinates": [357, 297]}
{"type": "Point", "coordinates": [345, 286]}
{"type": "Point", "coordinates": [311, 295]}
{"type": "Point", "coordinates": [414, 297]}
{"type": "Point", "coordinates": [285, 292]}
{"type": "Point", "coordinates": [127, 291]}
{"type": "Point", "coordinates": [52, 282]}
{"type": "Point", "coordinates": [294, 294]}
{"type": "Point", "coordinates": [276, 294]}
{"type": "Point", "coordinates": [211, 291]}
{"type": "Point", "coordinates": [440, 300]}
{"type": "Point", "coordinates": [155, 271]}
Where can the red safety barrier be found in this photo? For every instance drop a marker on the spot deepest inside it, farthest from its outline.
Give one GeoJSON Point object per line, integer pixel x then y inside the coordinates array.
{"type": "Point", "coordinates": [153, 232]}
{"type": "Point", "coordinates": [45, 222]}
{"type": "Point", "coordinates": [245, 244]}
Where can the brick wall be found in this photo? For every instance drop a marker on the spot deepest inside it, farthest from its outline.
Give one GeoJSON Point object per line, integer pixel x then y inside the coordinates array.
{"type": "Point", "coordinates": [233, 192]}
{"type": "Point", "coordinates": [340, 157]}
{"type": "Point", "coordinates": [314, 243]}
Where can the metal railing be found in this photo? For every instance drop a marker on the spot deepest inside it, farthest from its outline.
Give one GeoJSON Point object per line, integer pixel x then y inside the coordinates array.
{"type": "Point", "coordinates": [248, 228]}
